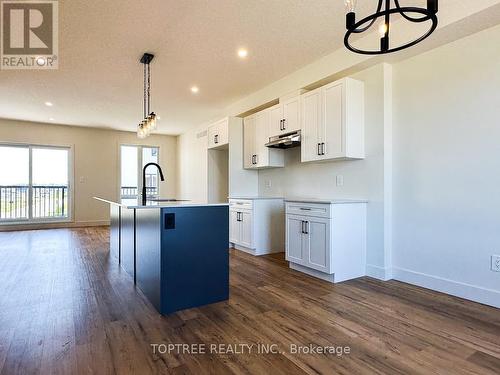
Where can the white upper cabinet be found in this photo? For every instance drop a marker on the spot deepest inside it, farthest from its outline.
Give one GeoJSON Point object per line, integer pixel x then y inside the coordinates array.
{"type": "Point", "coordinates": [285, 117]}
{"type": "Point", "coordinates": [311, 124]}
{"type": "Point", "coordinates": [256, 134]}
{"type": "Point", "coordinates": [218, 134]}
{"type": "Point", "coordinates": [249, 141]}
{"type": "Point", "coordinates": [332, 121]}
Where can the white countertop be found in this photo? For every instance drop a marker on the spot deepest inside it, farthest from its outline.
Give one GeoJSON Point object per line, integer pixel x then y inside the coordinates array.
{"type": "Point", "coordinates": [325, 201]}
{"type": "Point", "coordinates": [136, 203]}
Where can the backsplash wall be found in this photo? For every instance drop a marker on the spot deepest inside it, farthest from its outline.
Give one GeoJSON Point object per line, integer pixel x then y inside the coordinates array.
{"type": "Point", "coordinates": [363, 179]}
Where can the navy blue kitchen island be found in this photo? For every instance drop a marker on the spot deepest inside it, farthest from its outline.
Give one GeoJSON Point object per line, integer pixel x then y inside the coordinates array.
{"type": "Point", "coordinates": [177, 252]}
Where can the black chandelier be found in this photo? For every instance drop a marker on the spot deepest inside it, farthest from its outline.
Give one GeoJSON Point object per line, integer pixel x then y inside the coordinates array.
{"type": "Point", "coordinates": [412, 14]}
{"type": "Point", "coordinates": [149, 121]}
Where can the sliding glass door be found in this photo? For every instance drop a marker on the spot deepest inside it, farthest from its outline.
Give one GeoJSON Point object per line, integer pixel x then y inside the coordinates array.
{"type": "Point", "coordinates": [133, 159]}
{"type": "Point", "coordinates": [14, 183]}
{"type": "Point", "coordinates": [34, 183]}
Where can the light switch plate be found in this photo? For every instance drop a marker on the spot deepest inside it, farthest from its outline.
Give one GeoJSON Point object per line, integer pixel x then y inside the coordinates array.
{"type": "Point", "coordinates": [495, 263]}
{"type": "Point", "coordinates": [340, 180]}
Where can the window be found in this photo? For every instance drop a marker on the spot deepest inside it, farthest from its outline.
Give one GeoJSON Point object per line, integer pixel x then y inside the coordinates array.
{"type": "Point", "coordinates": [133, 159]}
{"type": "Point", "coordinates": [34, 183]}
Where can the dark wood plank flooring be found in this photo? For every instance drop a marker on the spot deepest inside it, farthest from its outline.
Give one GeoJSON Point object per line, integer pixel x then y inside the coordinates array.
{"type": "Point", "coordinates": [67, 308]}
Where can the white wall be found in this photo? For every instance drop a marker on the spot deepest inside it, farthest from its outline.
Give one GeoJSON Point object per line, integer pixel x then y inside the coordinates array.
{"type": "Point", "coordinates": [195, 167]}
{"type": "Point", "coordinates": [447, 167]}
{"type": "Point", "coordinates": [218, 175]}
{"type": "Point", "coordinates": [95, 159]}
{"type": "Point", "coordinates": [431, 171]}
{"type": "Point", "coordinates": [192, 163]}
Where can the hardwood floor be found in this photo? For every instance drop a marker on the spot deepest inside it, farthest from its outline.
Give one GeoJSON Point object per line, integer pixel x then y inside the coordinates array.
{"type": "Point", "coordinates": [67, 308]}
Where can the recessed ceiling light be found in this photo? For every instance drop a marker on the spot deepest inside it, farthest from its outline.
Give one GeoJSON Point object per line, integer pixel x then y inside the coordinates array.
{"type": "Point", "coordinates": [49, 104]}
{"type": "Point", "coordinates": [195, 89]}
{"type": "Point", "coordinates": [242, 53]}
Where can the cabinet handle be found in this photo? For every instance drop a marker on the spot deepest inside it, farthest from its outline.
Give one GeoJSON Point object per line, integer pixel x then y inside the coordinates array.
{"type": "Point", "coordinates": [319, 149]}
{"type": "Point", "coordinates": [281, 124]}
{"type": "Point", "coordinates": [323, 148]}
{"type": "Point", "coordinates": [305, 208]}
{"type": "Point", "coordinates": [302, 226]}
{"type": "Point", "coordinates": [284, 122]}
{"type": "Point", "coordinates": [216, 138]}
{"type": "Point", "coordinates": [305, 227]}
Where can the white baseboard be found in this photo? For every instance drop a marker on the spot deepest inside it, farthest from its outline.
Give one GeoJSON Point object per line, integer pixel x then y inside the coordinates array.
{"type": "Point", "coordinates": [471, 292]}
{"type": "Point", "coordinates": [379, 273]}
{"type": "Point", "coordinates": [35, 226]}
{"type": "Point", "coordinates": [314, 273]}
{"type": "Point", "coordinates": [253, 251]}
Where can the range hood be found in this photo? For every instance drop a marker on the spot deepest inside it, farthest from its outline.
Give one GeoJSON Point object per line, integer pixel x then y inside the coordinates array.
{"type": "Point", "coordinates": [288, 140]}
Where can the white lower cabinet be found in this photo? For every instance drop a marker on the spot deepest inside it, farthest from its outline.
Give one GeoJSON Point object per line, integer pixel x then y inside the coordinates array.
{"type": "Point", "coordinates": [330, 245]}
{"type": "Point", "coordinates": [256, 225]}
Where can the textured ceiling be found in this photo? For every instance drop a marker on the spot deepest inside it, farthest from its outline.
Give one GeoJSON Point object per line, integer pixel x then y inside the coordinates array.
{"type": "Point", "coordinates": [99, 80]}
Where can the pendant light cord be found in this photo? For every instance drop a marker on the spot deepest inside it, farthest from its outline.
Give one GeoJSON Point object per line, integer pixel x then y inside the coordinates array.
{"type": "Point", "coordinates": [145, 93]}
{"type": "Point", "coordinates": [149, 90]}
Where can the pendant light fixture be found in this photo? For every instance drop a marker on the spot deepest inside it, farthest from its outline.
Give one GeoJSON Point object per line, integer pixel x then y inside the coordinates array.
{"type": "Point", "coordinates": [149, 121]}
{"type": "Point", "coordinates": [384, 12]}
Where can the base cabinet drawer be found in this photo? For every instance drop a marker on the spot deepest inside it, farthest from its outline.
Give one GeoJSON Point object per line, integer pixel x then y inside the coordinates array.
{"type": "Point", "coordinates": [308, 209]}
{"type": "Point", "coordinates": [241, 204]}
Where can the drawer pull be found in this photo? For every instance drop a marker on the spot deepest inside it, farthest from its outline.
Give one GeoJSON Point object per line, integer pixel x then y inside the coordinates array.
{"type": "Point", "coordinates": [305, 209]}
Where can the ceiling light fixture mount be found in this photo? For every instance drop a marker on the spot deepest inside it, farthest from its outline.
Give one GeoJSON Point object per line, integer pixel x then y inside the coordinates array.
{"type": "Point", "coordinates": [149, 121]}
{"type": "Point", "coordinates": [384, 11]}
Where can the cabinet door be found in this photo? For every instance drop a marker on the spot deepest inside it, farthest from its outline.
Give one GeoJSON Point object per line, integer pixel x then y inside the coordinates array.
{"type": "Point", "coordinates": [275, 120]}
{"type": "Point", "coordinates": [212, 136]}
{"type": "Point", "coordinates": [249, 142]}
{"type": "Point", "coordinates": [223, 132]}
{"type": "Point", "coordinates": [246, 228]}
{"type": "Point", "coordinates": [294, 239]}
{"type": "Point", "coordinates": [291, 115]}
{"type": "Point", "coordinates": [234, 227]}
{"type": "Point", "coordinates": [332, 135]}
{"type": "Point", "coordinates": [318, 244]}
{"type": "Point", "coordinates": [311, 120]}
{"type": "Point", "coordinates": [261, 138]}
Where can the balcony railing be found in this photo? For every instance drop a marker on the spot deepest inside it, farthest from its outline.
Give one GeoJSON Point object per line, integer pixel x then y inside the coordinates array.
{"type": "Point", "coordinates": [131, 191]}
{"type": "Point", "coordinates": [48, 201]}
{"type": "Point", "coordinates": [151, 187]}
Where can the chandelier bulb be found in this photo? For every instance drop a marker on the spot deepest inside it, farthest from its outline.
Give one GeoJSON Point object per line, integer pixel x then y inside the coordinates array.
{"type": "Point", "coordinates": [382, 29]}
{"type": "Point", "coordinates": [350, 5]}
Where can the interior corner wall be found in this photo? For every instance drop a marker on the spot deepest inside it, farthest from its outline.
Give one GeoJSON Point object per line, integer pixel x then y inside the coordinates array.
{"type": "Point", "coordinates": [95, 161]}
{"type": "Point", "coordinates": [446, 168]}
